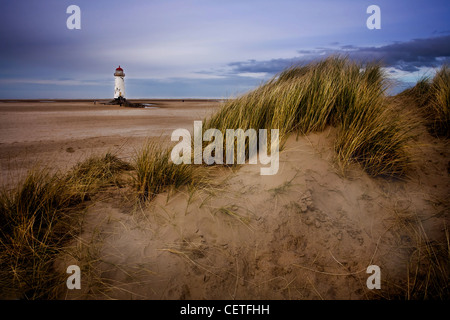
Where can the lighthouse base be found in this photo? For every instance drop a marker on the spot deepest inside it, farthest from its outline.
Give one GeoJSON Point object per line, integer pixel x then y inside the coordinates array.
{"type": "Point", "coordinates": [121, 101]}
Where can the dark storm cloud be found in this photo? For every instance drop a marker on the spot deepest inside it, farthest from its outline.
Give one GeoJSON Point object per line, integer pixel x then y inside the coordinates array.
{"type": "Point", "coordinates": [406, 56]}
{"type": "Point", "coordinates": [411, 55]}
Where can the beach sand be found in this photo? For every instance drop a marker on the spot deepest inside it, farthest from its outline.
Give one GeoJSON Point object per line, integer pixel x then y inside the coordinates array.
{"type": "Point", "coordinates": [60, 134]}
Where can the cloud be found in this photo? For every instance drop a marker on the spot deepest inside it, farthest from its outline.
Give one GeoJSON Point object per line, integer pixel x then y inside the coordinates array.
{"type": "Point", "coordinates": [408, 56]}
{"type": "Point", "coordinates": [253, 66]}
{"type": "Point", "coordinates": [56, 82]}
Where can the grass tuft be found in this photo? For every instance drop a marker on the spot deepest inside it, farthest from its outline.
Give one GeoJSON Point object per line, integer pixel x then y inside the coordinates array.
{"type": "Point", "coordinates": [433, 98]}
{"type": "Point", "coordinates": [439, 106]}
{"type": "Point", "coordinates": [156, 173]}
{"type": "Point", "coordinates": [334, 91]}
{"type": "Point", "coordinates": [37, 219]}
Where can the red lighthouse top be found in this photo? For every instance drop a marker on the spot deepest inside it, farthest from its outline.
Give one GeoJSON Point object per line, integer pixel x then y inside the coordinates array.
{"type": "Point", "coordinates": [119, 72]}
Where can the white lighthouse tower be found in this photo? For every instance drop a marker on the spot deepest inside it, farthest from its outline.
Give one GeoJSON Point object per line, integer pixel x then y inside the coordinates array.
{"type": "Point", "coordinates": [119, 84]}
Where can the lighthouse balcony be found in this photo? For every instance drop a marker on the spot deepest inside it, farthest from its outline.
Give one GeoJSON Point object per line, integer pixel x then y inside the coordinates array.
{"type": "Point", "coordinates": [119, 74]}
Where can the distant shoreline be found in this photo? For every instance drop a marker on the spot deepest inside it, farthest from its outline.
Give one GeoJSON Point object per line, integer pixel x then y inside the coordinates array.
{"type": "Point", "coordinates": [143, 100]}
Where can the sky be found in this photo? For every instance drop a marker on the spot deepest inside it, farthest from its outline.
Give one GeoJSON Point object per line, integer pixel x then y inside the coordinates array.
{"type": "Point", "coordinates": [206, 48]}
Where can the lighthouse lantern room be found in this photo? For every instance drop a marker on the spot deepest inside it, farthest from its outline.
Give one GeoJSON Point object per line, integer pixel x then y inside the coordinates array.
{"type": "Point", "coordinates": [119, 84]}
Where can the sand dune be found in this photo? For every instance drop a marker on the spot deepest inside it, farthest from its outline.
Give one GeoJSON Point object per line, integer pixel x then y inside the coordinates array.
{"type": "Point", "coordinates": [307, 232]}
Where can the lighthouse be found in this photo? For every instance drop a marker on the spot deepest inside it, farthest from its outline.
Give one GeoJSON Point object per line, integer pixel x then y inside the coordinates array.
{"type": "Point", "coordinates": [119, 84]}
